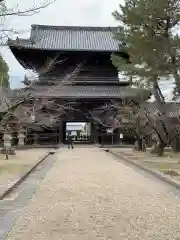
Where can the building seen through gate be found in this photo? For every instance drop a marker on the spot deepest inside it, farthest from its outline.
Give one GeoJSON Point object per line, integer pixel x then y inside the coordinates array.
{"type": "Point", "coordinates": [80, 132]}
{"type": "Point", "coordinates": [96, 83]}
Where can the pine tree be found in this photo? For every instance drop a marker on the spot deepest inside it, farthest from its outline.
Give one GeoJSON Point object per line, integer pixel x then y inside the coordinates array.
{"type": "Point", "coordinates": [4, 76]}
{"type": "Point", "coordinates": [150, 40]}
{"type": "Point", "coordinates": [151, 47]}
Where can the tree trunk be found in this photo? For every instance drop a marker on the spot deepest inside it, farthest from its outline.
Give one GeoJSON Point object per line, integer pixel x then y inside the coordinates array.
{"type": "Point", "coordinates": [175, 144]}
{"type": "Point", "coordinates": [138, 144]}
{"type": "Point", "coordinates": [157, 93]}
{"type": "Point", "coordinates": [7, 154]}
{"type": "Point", "coordinates": [154, 147]}
{"type": "Point", "coordinates": [159, 149]}
{"type": "Point", "coordinates": [143, 145]}
{"type": "Point", "coordinates": [177, 81]}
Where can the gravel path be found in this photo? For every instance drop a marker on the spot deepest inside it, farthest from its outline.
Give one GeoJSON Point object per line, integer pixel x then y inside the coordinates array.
{"type": "Point", "coordinates": [88, 195]}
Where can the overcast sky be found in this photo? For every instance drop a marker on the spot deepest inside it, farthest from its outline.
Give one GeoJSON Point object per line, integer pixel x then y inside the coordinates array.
{"type": "Point", "coordinates": [62, 12]}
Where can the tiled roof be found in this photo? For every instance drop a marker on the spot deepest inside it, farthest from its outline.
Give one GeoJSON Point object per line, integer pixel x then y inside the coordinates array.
{"type": "Point", "coordinates": [116, 92]}
{"type": "Point", "coordinates": [70, 38]}
{"type": "Point", "coordinates": [172, 109]}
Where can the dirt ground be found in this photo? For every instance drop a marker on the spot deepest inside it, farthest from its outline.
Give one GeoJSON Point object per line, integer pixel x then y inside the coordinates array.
{"type": "Point", "coordinates": [11, 170]}
{"type": "Point", "coordinates": [168, 164]}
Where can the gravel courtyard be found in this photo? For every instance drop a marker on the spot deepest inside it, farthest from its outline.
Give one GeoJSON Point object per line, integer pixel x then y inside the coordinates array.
{"type": "Point", "coordinates": [87, 194]}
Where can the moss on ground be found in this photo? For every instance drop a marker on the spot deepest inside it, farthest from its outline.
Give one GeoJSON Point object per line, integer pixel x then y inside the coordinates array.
{"type": "Point", "coordinates": [13, 168]}
{"type": "Point", "coordinates": [161, 165]}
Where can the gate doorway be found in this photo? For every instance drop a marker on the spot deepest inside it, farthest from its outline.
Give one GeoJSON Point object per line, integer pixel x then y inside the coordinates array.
{"type": "Point", "coordinates": [80, 132]}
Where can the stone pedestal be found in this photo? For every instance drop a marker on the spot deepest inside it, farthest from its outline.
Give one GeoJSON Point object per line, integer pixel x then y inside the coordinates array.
{"type": "Point", "coordinates": [35, 139]}
{"type": "Point", "coordinates": [21, 137]}
{"type": "Point", "coordinates": [7, 138]}
{"type": "Point", "coordinates": [7, 149]}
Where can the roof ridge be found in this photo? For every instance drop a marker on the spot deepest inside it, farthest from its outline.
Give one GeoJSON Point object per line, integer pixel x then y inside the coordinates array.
{"type": "Point", "coordinates": [88, 28]}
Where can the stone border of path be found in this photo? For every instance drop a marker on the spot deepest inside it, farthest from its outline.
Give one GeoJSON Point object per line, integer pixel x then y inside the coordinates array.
{"type": "Point", "coordinates": [25, 175]}
{"type": "Point", "coordinates": [158, 174]}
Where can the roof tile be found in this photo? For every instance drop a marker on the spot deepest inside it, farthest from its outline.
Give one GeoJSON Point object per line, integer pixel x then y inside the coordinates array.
{"type": "Point", "coordinates": [71, 38]}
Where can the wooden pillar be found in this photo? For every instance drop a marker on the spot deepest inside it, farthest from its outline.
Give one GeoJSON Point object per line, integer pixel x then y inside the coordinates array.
{"type": "Point", "coordinates": [61, 132]}
{"type": "Point", "coordinates": [117, 139]}
{"type": "Point", "coordinates": [95, 133]}
{"type": "Point", "coordinates": [36, 139]}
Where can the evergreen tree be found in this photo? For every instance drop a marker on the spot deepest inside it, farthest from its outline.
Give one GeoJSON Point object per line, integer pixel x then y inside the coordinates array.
{"type": "Point", "coordinates": [4, 77]}
{"type": "Point", "coordinates": [150, 40]}
{"type": "Point", "coordinates": [152, 48]}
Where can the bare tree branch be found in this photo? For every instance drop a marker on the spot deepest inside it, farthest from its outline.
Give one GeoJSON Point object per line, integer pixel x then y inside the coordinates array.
{"type": "Point", "coordinates": [26, 12]}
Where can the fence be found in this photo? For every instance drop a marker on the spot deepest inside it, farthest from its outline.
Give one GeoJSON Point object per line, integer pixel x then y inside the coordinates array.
{"type": "Point", "coordinates": [42, 139]}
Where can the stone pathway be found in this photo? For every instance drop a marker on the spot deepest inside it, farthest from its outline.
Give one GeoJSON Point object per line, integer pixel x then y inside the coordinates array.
{"type": "Point", "coordinates": [87, 194]}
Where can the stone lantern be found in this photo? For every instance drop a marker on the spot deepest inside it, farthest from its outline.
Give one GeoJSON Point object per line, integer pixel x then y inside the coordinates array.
{"type": "Point", "coordinates": [7, 149]}
{"type": "Point", "coordinates": [7, 138]}
{"type": "Point", "coordinates": [21, 137]}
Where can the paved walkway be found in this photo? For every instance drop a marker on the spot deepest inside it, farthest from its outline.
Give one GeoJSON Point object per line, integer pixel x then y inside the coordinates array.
{"type": "Point", "coordinates": [89, 195]}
